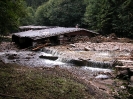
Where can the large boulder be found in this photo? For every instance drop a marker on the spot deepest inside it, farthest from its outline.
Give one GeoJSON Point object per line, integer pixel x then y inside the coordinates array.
{"type": "Point", "coordinates": [12, 56]}
{"type": "Point", "coordinates": [124, 74]}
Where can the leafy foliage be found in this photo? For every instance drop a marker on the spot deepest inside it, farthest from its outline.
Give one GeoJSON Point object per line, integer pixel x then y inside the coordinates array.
{"type": "Point", "coordinates": [60, 13]}
{"type": "Point", "coordinates": [10, 12]}
{"type": "Point", "coordinates": [107, 16]}
{"type": "Point", "coordinates": [110, 16]}
{"type": "Point", "coordinates": [123, 18]}
{"type": "Point", "coordinates": [98, 15]}
{"type": "Point", "coordinates": [35, 3]}
{"type": "Point", "coordinates": [29, 18]}
{"type": "Point", "coordinates": [41, 15]}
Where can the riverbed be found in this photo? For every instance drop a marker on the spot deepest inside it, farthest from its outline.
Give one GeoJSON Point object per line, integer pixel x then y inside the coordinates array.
{"type": "Point", "coordinates": [100, 57]}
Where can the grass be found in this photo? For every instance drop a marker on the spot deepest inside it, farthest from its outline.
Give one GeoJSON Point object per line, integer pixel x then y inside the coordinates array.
{"type": "Point", "coordinates": [17, 82]}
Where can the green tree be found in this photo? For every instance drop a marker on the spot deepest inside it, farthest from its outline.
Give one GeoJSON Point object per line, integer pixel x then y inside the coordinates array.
{"type": "Point", "coordinates": [10, 12]}
{"type": "Point", "coordinates": [98, 15]}
{"type": "Point", "coordinates": [41, 16]}
{"type": "Point", "coordinates": [29, 19]}
{"type": "Point", "coordinates": [61, 12]}
{"type": "Point", "coordinates": [110, 16]}
{"type": "Point", "coordinates": [91, 14]}
{"type": "Point", "coordinates": [123, 18]}
{"type": "Point", "coordinates": [35, 3]}
{"type": "Point", "coordinates": [105, 17]}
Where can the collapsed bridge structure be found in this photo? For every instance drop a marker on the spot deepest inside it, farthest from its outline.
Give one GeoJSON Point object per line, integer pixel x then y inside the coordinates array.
{"type": "Point", "coordinates": [54, 36]}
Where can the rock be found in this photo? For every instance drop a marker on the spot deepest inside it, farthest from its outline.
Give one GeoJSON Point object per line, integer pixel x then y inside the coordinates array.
{"type": "Point", "coordinates": [72, 45]}
{"type": "Point", "coordinates": [12, 56]}
{"type": "Point", "coordinates": [28, 57]}
{"type": "Point", "coordinates": [131, 55]}
{"type": "Point", "coordinates": [125, 74]}
{"type": "Point", "coordinates": [101, 76]}
{"type": "Point", "coordinates": [106, 73]}
{"type": "Point", "coordinates": [87, 49]}
{"type": "Point", "coordinates": [116, 62]}
{"type": "Point", "coordinates": [113, 36]}
{"type": "Point", "coordinates": [49, 57]}
{"type": "Point", "coordinates": [131, 78]}
{"type": "Point", "coordinates": [78, 62]}
{"type": "Point", "coordinates": [122, 87]}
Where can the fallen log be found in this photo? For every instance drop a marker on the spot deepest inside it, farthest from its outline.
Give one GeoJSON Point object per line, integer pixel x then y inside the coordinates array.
{"type": "Point", "coordinates": [79, 62]}
{"type": "Point", "coordinates": [49, 57]}
{"type": "Point", "coordinates": [40, 46]}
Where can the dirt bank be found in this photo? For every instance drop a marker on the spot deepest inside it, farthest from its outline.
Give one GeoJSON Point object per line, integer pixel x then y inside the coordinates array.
{"type": "Point", "coordinates": [20, 82]}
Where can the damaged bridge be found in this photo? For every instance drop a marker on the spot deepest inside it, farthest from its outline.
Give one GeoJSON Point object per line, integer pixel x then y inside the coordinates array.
{"type": "Point", "coordinates": [53, 36]}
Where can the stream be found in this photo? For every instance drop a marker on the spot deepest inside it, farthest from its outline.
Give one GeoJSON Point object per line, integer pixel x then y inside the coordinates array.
{"type": "Point", "coordinates": [98, 65]}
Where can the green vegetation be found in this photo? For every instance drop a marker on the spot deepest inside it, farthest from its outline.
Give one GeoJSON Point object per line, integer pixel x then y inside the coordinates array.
{"type": "Point", "coordinates": [35, 3]}
{"type": "Point", "coordinates": [110, 16]}
{"type": "Point", "coordinates": [10, 13]}
{"type": "Point", "coordinates": [18, 82]}
{"type": "Point", "coordinates": [106, 16]}
{"type": "Point", "coordinates": [60, 13]}
{"type": "Point", "coordinates": [29, 19]}
{"type": "Point", "coordinates": [98, 15]}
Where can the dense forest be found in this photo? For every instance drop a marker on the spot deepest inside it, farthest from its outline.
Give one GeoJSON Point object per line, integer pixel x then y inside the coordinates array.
{"type": "Point", "coordinates": [106, 16]}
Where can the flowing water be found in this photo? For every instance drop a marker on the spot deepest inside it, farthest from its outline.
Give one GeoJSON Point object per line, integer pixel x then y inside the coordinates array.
{"type": "Point", "coordinates": [98, 62]}
{"type": "Point", "coordinates": [28, 58]}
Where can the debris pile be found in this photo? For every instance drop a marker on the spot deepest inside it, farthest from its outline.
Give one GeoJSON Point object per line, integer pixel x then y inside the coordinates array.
{"type": "Point", "coordinates": [8, 46]}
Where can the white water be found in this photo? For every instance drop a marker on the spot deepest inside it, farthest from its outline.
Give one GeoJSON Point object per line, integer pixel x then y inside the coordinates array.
{"type": "Point", "coordinates": [104, 54]}
{"type": "Point", "coordinates": [2, 53]}
{"type": "Point", "coordinates": [102, 76]}
{"type": "Point", "coordinates": [96, 69]}
{"type": "Point", "coordinates": [50, 62]}
{"type": "Point", "coordinates": [28, 58]}
{"type": "Point", "coordinates": [45, 54]}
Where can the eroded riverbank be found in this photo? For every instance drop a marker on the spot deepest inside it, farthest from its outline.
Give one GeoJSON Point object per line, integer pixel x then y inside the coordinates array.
{"type": "Point", "coordinates": [94, 74]}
